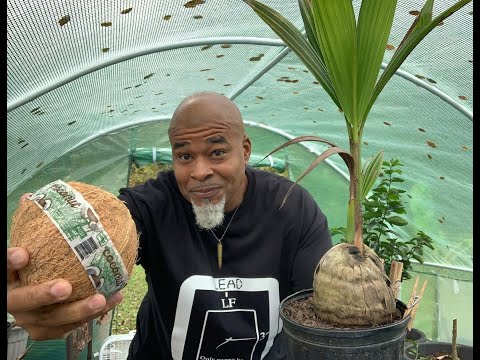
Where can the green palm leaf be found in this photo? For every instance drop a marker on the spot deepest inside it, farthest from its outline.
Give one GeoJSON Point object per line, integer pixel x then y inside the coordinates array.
{"type": "Point", "coordinates": [336, 34]}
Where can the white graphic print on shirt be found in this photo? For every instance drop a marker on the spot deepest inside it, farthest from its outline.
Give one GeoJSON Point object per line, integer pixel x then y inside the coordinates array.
{"type": "Point", "coordinates": [226, 318]}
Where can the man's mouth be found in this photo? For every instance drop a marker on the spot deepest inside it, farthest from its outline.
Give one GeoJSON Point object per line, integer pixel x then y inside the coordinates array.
{"type": "Point", "coordinates": [205, 192]}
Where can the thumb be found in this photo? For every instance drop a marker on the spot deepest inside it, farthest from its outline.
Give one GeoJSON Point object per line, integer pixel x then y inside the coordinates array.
{"type": "Point", "coordinates": [25, 196]}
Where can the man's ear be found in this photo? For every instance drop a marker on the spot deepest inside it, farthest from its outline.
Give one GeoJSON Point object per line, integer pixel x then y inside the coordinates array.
{"type": "Point", "coordinates": [247, 149]}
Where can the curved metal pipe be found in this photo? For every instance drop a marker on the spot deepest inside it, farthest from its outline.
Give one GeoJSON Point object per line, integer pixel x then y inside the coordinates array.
{"type": "Point", "coordinates": [154, 49]}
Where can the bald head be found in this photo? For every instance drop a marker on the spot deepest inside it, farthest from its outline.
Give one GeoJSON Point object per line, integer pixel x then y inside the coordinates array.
{"type": "Point", "coordinates": [203, 108]}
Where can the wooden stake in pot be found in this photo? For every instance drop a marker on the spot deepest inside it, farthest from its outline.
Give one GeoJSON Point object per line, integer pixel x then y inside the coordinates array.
{"type": "Point", "coordinates": [414, 302]}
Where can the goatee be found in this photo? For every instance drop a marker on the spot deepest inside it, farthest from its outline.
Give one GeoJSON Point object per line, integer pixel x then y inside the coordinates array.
{"type": "Point", "coordinates": [208, 215]}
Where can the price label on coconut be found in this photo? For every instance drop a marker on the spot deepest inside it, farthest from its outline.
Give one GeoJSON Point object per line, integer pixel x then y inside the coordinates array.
{"type": "Point", "coordinates": [80, 225]}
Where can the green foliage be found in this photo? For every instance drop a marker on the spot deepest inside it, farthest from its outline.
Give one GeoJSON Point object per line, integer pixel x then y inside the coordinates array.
{"type": "Point", "coordinates": [382, 213]}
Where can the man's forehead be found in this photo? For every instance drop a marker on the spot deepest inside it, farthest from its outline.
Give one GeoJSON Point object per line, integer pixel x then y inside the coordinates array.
{"type": "Point", "coordinates": [212, 140]}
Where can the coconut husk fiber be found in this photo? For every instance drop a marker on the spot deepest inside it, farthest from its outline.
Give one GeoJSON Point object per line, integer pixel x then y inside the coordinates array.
{"type": "Point", "coordinates": [51, 256]}
{"type": "Point", "coordinates": [351, 289]}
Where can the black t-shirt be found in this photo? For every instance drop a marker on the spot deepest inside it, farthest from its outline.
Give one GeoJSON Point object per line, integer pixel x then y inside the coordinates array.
{"type": "Point", "coordinates": [193, 309]}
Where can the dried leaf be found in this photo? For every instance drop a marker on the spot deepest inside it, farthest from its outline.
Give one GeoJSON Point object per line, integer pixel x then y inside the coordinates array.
{"type": "Point", "coordinates": [390, 47]}
{"type": "Point", "coordinates": [20, 140]}
{"type": "Point", "coordinates": [432, 81]}
{"type": "Point", "coordinates": [106, 23]}
{"type": "Point", "coordinates": [227, 84]}
{"type": "Point", "coordinates": [291, 68]}
{"type": "Point", "coordinates": [39, 164]}
{"type": "Point", "coordinates": [386, 123]}
{"type": "Point", "coordinates": [422, 130]}
{"type": "Point", "coordinates": [429, 156]}
{"type": "Point", "coordinates": [420, 76]}
{"type": "Point", "coordinates": [259, 97]}
{"type": "Point", "coordinates": [431, 144]}
{"type": "Point", "coordinates": [462, 97]}
{"type": "Point", "coordinates": [205, 69]}
{"type": "Point", "coordinates": [126, 11]}
{"type": "Point", "coordinates": [316, 82]}
{"type": "Point", "coordinates": [167, 17]}
{"type": "Point", "coordinates": [24, 145]}
{"type": "Point", "coordinates": [193, 3]}
{"type": "Point", "coordinates": [158, 93]}
{"type": "Point", "coordinates": [197, 17]}
{"type": "Point", "coordinates": [465, 147]}
{"type": "Point", "coordinates": [34, 110]}
{"type": "Point", "coordinates": [210, 79]}
{"type": "Point", "coordinates": [414, 12]}
{"type": "Point", "coordinates": [148, 76]}
{"type": "Point", "coordinates": [319, 109]}
{"type": "Point", "coordinates": [206, 47]}
{"type": "Point", "coordinates": [340, 110]}
{"type": "Point", "coordinates": [64, 20]}
{"type": "Point", "coordinates": [128, 87]}
{"type": "Point", "coordinates": [365, 143]}
{"type": "Point", "coordinates": [23, 171]}
{"type": "Point", "coordinates": [138, 85]}
{"type": "Point", "coordinates": [219, 56]}
{"type": "Point", "coordinates": [225, 46]}
{"type": "Point", "coordinates": [442, 178]}
{"type": "Point", "coordinates": [72, 122]}
{"type": "Point", "coordinates": [255, 58]}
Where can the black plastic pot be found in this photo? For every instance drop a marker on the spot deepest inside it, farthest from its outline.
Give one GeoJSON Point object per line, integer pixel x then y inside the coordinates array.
{"type": "Point", "coordinates": [416, 335]}
{"type": "Point", "coordinates": [384, 342]}
{"type": "Point", "coordinates": [464, 352]}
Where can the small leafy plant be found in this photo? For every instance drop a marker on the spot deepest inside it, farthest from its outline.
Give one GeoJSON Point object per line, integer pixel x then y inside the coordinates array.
{"type": "Point", "coordinates": [382, 213]}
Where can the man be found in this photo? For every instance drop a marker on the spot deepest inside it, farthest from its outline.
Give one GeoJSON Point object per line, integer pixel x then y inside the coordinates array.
{"type": "Point", "coordinates": [218, 251]}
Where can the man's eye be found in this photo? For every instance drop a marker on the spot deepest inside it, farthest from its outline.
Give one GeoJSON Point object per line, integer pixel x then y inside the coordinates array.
{"type": "Point", "coordinates": [218, 152]}
{"type": "Point", "coordinates": [184, 157]}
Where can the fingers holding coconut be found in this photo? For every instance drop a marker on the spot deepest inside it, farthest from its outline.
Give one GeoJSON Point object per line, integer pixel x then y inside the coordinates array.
{"type": "Point", "coordinates": [31, 297]}
{"type": "Point", "coordinates": [57, 320]}
{"type": "Point", "coordinates": [17, 258]}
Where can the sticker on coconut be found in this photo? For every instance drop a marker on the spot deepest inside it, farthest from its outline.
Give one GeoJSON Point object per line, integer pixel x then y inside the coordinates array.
{"type": "Point", "coordinates": [80, 225]}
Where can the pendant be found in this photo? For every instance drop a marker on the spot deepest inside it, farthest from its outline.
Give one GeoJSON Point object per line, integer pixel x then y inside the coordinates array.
{"type": "Point", "coordinates": [219, 254]}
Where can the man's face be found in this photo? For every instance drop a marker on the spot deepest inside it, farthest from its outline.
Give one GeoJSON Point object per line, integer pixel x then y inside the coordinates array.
{"type": "Point", "coordinates": [209, 157]}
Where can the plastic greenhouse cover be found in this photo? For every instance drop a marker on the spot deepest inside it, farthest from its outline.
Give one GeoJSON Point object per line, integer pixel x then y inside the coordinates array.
{"type": "Point", "coordinates": [89, 80]}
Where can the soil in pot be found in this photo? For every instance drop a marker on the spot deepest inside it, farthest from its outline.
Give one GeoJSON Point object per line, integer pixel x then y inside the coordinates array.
{"type": "Point", "coordinates": [301, 311]}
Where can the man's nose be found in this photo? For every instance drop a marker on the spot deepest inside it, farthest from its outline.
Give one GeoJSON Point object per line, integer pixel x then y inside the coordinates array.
{"type": "Point", "coordinates": [201, 169]}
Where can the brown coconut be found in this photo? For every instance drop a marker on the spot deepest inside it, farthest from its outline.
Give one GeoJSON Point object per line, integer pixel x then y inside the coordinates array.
{"type": "Point", "coordinates": [50, 255]}
{"type": "Point", "coordinates": [351, 289]}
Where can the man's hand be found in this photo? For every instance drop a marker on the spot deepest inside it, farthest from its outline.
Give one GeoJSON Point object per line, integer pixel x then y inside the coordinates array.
{"type": "Point", "coordinates": [39, 308]}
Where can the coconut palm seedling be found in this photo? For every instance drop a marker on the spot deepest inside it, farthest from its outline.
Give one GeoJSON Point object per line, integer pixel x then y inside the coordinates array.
{"type": "Point", "coordinates": [345, 56]}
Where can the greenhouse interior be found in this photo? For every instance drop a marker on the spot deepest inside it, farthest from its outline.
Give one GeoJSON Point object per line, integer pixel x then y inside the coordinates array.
{"type": "Point", "coordinates": [92, 86]}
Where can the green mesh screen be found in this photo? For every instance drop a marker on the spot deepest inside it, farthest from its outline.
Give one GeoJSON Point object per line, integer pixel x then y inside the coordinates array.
{"type": "Point", "coordinates": [89, 79]}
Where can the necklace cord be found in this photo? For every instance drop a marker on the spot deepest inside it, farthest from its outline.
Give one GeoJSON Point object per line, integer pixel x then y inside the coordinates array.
{"type": "Point", "coordinates": [226, 229]}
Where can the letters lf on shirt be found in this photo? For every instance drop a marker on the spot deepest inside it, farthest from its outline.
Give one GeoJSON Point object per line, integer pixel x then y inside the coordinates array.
{"type": "Point", "coordinates": [226, 318]}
